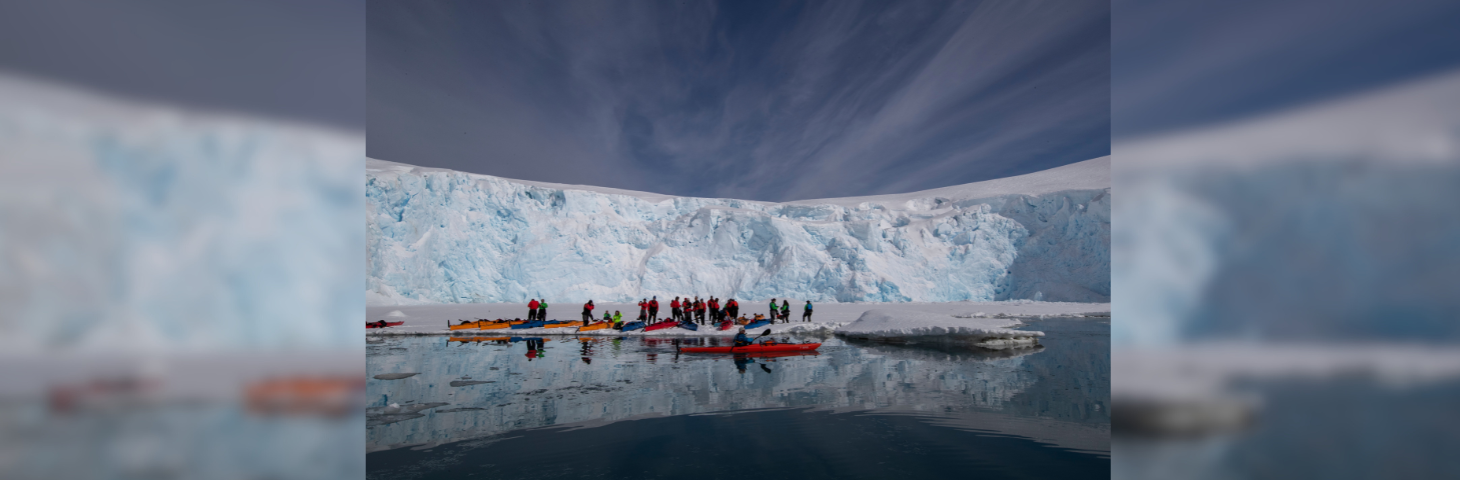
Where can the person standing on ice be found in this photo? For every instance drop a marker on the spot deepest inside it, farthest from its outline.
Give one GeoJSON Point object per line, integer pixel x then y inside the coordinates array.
{"type": "Point", "coordinates": [587, 312]}
{"type": "Point", "coordinates": [806, 314]}
{"type": "Point", "coordinates": [654, 309]}
{"type": "Point", "coordinates": [700, 310]}
{"type": "Point", "coordinates": [643, 309]}
{"type": "Point", "coordinates": [532, 310]}
{"type": "Point", "coordinates": [732, 309]}
{"type": "Point", "coordinates": [786, 311]}
{"type": "Point", "coordinates": [542, 309]}
{"type": "Point", "coordinates": [674, 309]}
{"type": "Point", "coordinates": [774, 309]}
{"type": "Point", "coordinates": [714, 309]}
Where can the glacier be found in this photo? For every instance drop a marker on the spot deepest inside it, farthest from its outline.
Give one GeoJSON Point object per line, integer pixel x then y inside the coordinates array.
{"type": "Point", "coordinates": [132, 225]}
{"type": "Point", "coordinates": [444, 236]}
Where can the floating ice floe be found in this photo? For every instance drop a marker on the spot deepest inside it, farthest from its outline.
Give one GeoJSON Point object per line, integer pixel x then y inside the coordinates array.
{"type": "Point", "coordinates": [902, 325]}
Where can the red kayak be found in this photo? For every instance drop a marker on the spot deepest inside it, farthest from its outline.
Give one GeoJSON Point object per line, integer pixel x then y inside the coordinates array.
{"type": "Point", "coordinates": [660, 326]}
{"type": "Point", "coordinates": [760, 347]}
{"type": "Point", "coordinates": [377, 324]}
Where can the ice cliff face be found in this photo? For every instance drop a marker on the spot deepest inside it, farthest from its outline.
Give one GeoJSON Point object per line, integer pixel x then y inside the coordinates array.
{"type": "Point", "coordinates": [134, 226]}
{"type": "Point", "coordinates": [441, 236]}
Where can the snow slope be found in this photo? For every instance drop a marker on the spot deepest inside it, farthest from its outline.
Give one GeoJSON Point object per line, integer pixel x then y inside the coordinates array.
{"type": "Point", "coordinates": [441, 236]}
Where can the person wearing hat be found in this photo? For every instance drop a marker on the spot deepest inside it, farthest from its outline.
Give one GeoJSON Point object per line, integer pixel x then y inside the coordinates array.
{"type": "Point", "coordinates": [740, 339]}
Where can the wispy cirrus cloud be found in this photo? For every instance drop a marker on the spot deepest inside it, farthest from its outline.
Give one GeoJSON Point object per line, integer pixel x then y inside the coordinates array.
{"type": "Point", "coordinates": [774, 101]}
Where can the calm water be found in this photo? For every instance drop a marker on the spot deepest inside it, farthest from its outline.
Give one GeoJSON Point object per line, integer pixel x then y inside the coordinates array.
{"type": "Point", "coordinates": [633, 408]}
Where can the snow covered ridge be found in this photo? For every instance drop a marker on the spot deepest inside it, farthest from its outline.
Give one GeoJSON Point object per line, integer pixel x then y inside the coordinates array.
{"type": "Point", "coordinates": [982, 331]}
{"type": "Point", "coordinates": [441, 236]}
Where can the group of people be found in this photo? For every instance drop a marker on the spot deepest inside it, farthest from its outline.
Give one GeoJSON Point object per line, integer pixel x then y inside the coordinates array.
{"type": "Point", "coordinates": [699, 310]}
{"type": "Point", "coordinates": [617, 319]}
{"type": "Point", "coordinates": [784, 312]}
{"type": "Point", "coordinates": [537, 310]}
{"type": "Point", "coordinates": [694, 310]}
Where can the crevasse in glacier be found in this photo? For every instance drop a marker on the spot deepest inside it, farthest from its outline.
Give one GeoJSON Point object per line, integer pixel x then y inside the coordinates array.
{"type": "Point", "coordinates": [441, 236]}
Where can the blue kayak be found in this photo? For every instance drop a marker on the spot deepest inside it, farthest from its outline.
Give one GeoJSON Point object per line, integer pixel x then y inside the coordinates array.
{"type": "Point", "coordinates": [532, 324]}
{"type": "Point", "coordinates": [689, 326]}
{"type": "Point", "coordinates": [758, 324]}
{"type": "Point", "coordinates": [633, 326]}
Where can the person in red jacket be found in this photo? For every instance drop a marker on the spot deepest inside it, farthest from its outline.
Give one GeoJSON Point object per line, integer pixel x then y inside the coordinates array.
{"type": "Point", "coordinates": [532, 310]}
{"type": "Point", "coordinates": [732, 308]}
{"type": "Point", "coordinates": [587, 312]}
{"type": "Point", "coordinates": [700, 310]}
{"type": "Point", "coordinates": [654, 309]}
{"type": "Point", "coordinates": [674, 309]}
{"type": "Point", "coordinates": [643, 309]}
{"type": "Point", "coordinates": [714, 309]}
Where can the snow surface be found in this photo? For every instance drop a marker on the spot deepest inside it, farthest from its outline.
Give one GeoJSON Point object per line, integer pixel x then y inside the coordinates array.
{"type": "Point", "coordinates": [441, 236]}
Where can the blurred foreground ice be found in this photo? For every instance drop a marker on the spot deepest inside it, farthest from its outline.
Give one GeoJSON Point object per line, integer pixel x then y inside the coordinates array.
{"type": "Point", "coordinates": [178, 292]}
{"type": "Point", "coordinates": [1272, 277]}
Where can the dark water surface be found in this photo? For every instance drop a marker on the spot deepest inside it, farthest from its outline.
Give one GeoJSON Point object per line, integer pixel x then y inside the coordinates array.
{"type": "Point", "coordinates": [633, 408]}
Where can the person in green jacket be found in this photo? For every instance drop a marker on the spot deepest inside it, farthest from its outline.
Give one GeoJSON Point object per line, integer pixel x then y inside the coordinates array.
{"type": "Point", "coordinates": [786, 311]}
{"type": "Point", "coordinates": [542, 309]}
{"type": "Point", "coordinates": [774, 308]}
{"type": "Point", "coordinates": [806, 314]}
{"type": "Point", "coordinates": [618, 320]}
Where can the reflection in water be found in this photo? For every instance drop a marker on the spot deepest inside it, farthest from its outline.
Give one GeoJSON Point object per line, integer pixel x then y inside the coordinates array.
{"type": "Point", "coordinates": [1057, 394]}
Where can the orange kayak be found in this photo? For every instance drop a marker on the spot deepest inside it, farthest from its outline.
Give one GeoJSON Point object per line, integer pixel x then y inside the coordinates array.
{"type": "Point", "coordinates": [468, 325]}
{"type": "Point", "coordinates": [561, 325]}
{"type": "Point", "coordinates": [595, 326]}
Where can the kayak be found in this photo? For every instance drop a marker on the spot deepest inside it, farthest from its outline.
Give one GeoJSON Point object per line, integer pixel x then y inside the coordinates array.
{"type": "Point", "coordinates": [561, 324]}
{"type": "Point", "coordinates": [595, 326]}
{"type": "Point", "coordinates": [660, 326]}
{"type": "Point", "coordinates": [387, 324]}
{"type": "Point", "coordinates": [726, 325]}
{"type": "Point", "coordinates": [468, 325]}
{"type": "Point", "coordinates": [755, 325]}
{"type": "Point", "coordinates": [532, 324]}
{"type": "Point", "coordinates": [633, 326]}
{"type": "Point", "coordinates": [689, 326]}
{"type": "Point", "coordinates": [495, 325]}
{"type": "Point", "coordinates": [760, 347]}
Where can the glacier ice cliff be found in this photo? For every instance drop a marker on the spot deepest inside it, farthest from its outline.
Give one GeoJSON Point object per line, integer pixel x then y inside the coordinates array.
{"type": "Point", "coordinates": [442, 236]}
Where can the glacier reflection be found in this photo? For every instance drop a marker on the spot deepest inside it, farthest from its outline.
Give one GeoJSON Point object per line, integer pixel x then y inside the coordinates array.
{"type": "Point", "coordinates": [470, 388]}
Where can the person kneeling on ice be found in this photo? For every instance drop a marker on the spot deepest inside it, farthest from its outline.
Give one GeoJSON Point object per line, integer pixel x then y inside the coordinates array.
{"type": "Point", "coordinates": [740, 339]}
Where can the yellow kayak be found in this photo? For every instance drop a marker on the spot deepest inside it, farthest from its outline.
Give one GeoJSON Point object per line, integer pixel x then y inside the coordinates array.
{"type": "Point", "coordinates": [561, 325]}
{"type": "Point", "coordinates": [495, 325]}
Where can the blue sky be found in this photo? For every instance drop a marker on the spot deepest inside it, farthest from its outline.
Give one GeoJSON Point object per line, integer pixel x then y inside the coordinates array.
{"type": "Point", "coordinates": [758, 100]}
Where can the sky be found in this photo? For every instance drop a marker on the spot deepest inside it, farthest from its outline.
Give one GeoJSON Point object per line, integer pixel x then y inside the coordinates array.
{"type": "Point", "coordinates": [1182, 65]}
{"type": "Point", "coordinates": [771, 101]}
{"type": "Point", "coordinates": [276, 59]}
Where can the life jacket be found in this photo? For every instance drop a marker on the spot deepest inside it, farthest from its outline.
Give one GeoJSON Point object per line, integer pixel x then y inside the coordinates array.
{"type": "Point", "coordinates": [532, 305]}
{"type": "Point", "coordinates": [654, 304]}
{"type": "Point", "coordinates": [674, 304]}
{"type": "Point", "coordinates": [732, 304]}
